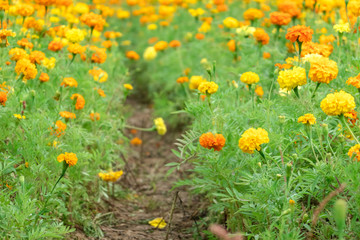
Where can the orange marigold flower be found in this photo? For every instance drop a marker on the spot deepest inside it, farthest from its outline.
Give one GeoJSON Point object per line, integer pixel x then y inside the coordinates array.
{"type": "Point", "coordinates": [354, 81]}
{"type": "Point", "coordinates": [266, 55]}
{"type": "Point", "coordinates": [69, 82]}
{"type": "Point", "coordinates": [3, 98]}
{"type": "Point", "coordinates": [17, 53]}
{"type": "Point", "coordinates": [253, 14]}
{"type": "Point", "coordinates": [280, 18]}
{"type": "Point", "coordinates": [76, 48]}
{"type": "Point", "coordinates": [175, 43]}
{"type": "Point", "coordinates": [24, 43]}
{"type": "Point", "coordinates": [160, 46]}
{"type": "Point", "coordinates": [80, 101]}
{"type": "Point", "coordinates": [351, 116]}
{"type": "Point", "coordinates": [261, 36]}
{"type": "Point", "coordinates": [259, 91]}
{"type": "Point", "coordinates": [299, 33]}
{"type": "Point", "coordinates": [136, 141]}
{"type": "Point", "coordinates": [199, 36]}
{"type": "Point", "coordinates": [95, 116]}
{"type": "Point", "coordinates": [70, 158]}
{"type": "Point", "coordinates": [59, 129]}
{"type": "Point", "coordinates": [67, 115]}
{"type": "Point", "coordinates": [232, 45]}
{"type": "Point", "coordinates": [182, 79]}
{"type": "Point", "coordinates": [100, 92]}
{"type": "Point", "coordinates": [99, 56]}
{"type": "Point", "coordinates": [290, 7]}
{"type": "Point", "coordinates": [44, 77]}
{"type": "Point", "coordinates": [36, 57]}
{"type": "Point", "coordinates": [55, 46]}
{"type": "Point", "coordinates": [93, 20]}
{"type": "Point", "coordinates": [323, 70]}
{"type": "Point", "coordinates": [211, 141]}
{"type": "Point", "coordinates": [99, 75]}
{"type": "Point", "coordinates": [26, 68]}
{"type": "Point", "coordinates": [132, 55]}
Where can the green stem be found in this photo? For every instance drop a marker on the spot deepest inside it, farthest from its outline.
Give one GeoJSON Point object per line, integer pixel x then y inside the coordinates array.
{"type": "Point", "coordinates": [342, 118]}
{"type": "Point", "coordinates": [141, 129]}
{"type": "Point", "coordinates": [316, 88]}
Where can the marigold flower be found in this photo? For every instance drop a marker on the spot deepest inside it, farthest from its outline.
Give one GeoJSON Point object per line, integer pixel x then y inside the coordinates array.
{"type": "Point", "coordinates": [36, 57]}
{"type": "Point", "coordinates": [136, 141]}
{"type": "Point", "coordinates": [128, 86]}
{"type": "Point", "coordinates": [111, 176]}
{"type": "Point", "coordinates": [253, 14]}
{"type": "Point", "coordinates": [252, 139]}
{"type": "Point", "coordinates": [59, 129]}
{"type": "Point", "coordinates": [93, 20]}
{"type": "Point", "coordinates": [80, 101]}
{"type": "Point", "coordinates": [98, 74]}
{"type": "Point", "coordinates": [280, 18]}
{"type": "Point", "coordinates": [26, 68]}
{"type": "Point", "coordinates": [323, 70]}
{"type": "Point", "coordinates": [19, 116]}
{"type": "Point", "coordinates": [174, 43]}
{"type": "Point", "coordinates": [69, 82]}
{"type": "Point", "coordinates": [261, 36]}
{"type": "Point", "coordinates": [290, 7]}
{"type": "Point", "coordinates": [342, 27]}
{"type": "Point", "coordinates": [17, 53]}
{"type": "Point", "coordinates": [299, 33]}
{"type": "Point", "coordinates": [95, 116]}
{"type": "Point", "coordinates": [49, 63]}
{"type": "Point", "coordinates": [99, 56]}
{"type": "Point", "coordinates": [70, 158]}
{"type": "Point", "coordinates": [4, 33]}
{"type": "Point", "coordinates": [199, 36]}
{"type": "Point", "coordinates": [354, 7]}
{"type": "Point", "coordinates": [335, 104]}
{"type": "Point", "coordinates": [259, 91]}
{"type": "Point", "coordinates": [354, 81]}
{"type": "Point", "coordinates": [44, 77]}
{"type": "Point", "coordinates": [195, 81]}
{"type": "Point", "coordinates": [231, 45]}
{"type": "Point", "coordinates": [132, 55]}
{"type": "Point", "coordinates": [75, 35]}
{"type": "Point", "coordinates": [150, 53]}
{"type": "Point", "coordinates": [308, 119]}
{"type": "Point", "coordinates": [55, 46]}
{"type": "Point", "coordinates": [208, 87]}
{"type": "Point", "coordinates": [160, 126]}
{"type": "Point", "coordinates": [67, 115]}
{"type": "Point", "coordinates": [249, 78]}
{"type": "Point", "coordinates": [76, 48]}
{"type": "Point", "coordinates": [291, 78]}
{"type": "Point", "coordinates": [3, 98]}
{"type": "Point", "coordinates": [231, 22]}
{"type": "Point", "coordinates": [182, 79]}
{"type": "Point", "coordinates": [355, 150]}
{"type": "Point", "coordinates": [24, 43]}
{"type": "Point", "coordinates": [210, 141]}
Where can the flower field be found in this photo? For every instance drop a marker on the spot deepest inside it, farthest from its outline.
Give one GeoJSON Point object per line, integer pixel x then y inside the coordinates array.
{"type": "Point", "coordinates": [180, 119]}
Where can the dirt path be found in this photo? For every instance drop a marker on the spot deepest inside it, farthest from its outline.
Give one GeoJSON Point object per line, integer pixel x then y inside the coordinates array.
{"type": "Point", "coordinates": [151, 191]}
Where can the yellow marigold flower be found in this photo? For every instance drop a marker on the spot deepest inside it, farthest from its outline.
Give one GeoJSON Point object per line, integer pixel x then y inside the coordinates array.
{"type": "Point", "coordinates": [37, 57]}
{"type": "Point", "coordinates": [80, 101]}
{"type": "Point", "coordinates": [252, 14]}
{"type": "Point", "coordinates": [245, 30]}
{"type": "Point", "coordinates": [354, 81]}
{"type": "Point", "coordinates": [19, 116]}
{"type": "Point", "coordinates": [307, 119]}
{"type": "Point", "coordinates": [150, 53]}
{"type": "Point", "coordinates": [195, 81]}
{"type": "Point", "coordinates": [249, 78]}
{"type": "Point", "coordinates": [111, 176]}
{"type": "Point", "coordinates": [231, 22]}
{"type": "Point", "coordinates": [205, 27]}
{"type": "Point", "coordinates": [291, 78]}
{"type": "Point", "coordinates": [355, 150]}
{"type": "Point", "coordinates": [67, 115]}
{"type": "Point", "coordinates": [354, 7]}
{"type": "Point", "coordinates": [208, 87]}
{"type": "Point", "coordinates": [49, 63]}
{"type": "Point", "coordinates": [252, 139]}
{"type": "Point", "coordinates": [152, 26]}
{"type": "Point", "coordinates": [75, 35]}
{"type": "Point", "coordinates": [338, 103]}
{"type": "Point", "coordinates": [26, 68]}
{"type": "Point", "coordinates": [161, 46]}
{"type": "Point", "coordinates": [128, 86]}
{"type": "Point", "coordinates": [4, 33]}
{"type": "Point", "coordinates": [160, 126]}
{"type": "Point", "coordinates": [70, 158]}
{"type": "Point", "coordinates": [69, 82]}
{"type": "Point", "coordinates": [158, 223]}
{"type": "Point", "coordinates": [24, 10]}
{"type": "Point", "coordinates": [76, 48]}
{"type": "Point", "coordinates": [17, 53]}
{"type": "Point", "coordinates": [342, 27]}
{"type": "Point", "coordinates": [196, 12]}
{"type": "Point", "coordinates": [323, 70]}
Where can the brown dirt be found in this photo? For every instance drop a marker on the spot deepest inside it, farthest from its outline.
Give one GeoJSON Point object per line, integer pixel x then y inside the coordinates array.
{"type": "Point", "coordinates": [151, 191]}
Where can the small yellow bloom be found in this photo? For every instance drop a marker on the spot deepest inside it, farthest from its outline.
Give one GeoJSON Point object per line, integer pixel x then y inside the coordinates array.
{"type": "Point", "coordinates": [128, 86]}
{"type": "Point", "coordinates": [160, 126]}
{"type": "Point", "coordinates": [158, 223]}
{"type": "Point", "coordinates": [307, 119]}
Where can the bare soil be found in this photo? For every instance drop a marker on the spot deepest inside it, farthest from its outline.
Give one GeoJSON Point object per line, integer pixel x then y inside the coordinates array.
{"type": "Point", "coordinates": [151, 191]}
